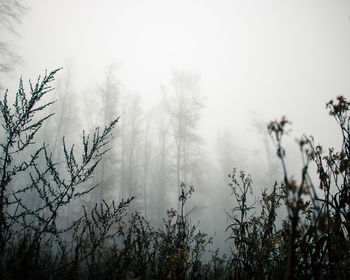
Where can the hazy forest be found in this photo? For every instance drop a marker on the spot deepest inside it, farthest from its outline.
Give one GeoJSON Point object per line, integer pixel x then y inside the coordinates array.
{"type": "Point", "coordinates": [101, 182]}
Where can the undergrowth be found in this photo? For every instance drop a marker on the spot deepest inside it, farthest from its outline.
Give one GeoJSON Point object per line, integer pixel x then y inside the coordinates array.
{"type": "Point", "coordinates": [310, 242]}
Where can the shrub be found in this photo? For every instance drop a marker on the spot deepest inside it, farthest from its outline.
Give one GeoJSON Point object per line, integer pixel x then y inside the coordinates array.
{"type": "Point", "coordinates": [32, 242]}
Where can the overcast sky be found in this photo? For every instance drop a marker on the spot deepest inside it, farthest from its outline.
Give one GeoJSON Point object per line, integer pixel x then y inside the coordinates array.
{"type": "Point", "coordinates": [271, 57]}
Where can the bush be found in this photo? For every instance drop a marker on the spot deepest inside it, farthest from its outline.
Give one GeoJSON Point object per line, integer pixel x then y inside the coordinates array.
{"type": "Point", "coordinates": [32, 242]}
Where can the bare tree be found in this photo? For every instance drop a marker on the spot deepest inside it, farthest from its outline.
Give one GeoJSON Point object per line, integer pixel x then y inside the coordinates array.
{"type": "Point", "coordinates": [146, 160]}
{"type": "Point", "coordinates": [100, 107]}
{"type": "Point", "coordinates": [109, 94]}
{"type": "Point", "coordinates": [133, 146]}
{"type": "Point", "coordinates": [162, 174]}
{"type": "Point", "coordinates": [11, 13]}
{"type": "Point", "coordinates": [184, 106]}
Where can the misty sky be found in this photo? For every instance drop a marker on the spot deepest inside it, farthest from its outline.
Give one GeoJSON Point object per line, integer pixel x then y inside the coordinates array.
{"type": "Point", "coordinates": [273, 58]}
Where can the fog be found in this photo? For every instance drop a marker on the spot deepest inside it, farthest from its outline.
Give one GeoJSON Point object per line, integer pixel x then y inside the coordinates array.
{"type": "Point", "coordinates": [245, 63]}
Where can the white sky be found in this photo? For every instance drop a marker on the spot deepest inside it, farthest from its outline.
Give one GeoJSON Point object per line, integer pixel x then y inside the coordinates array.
{"type": "Point", "coordinates": [274, 57]}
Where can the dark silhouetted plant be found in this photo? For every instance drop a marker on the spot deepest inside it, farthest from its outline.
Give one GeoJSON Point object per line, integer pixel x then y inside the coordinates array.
{"type": "Point", "coordinates": [31, 238]}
